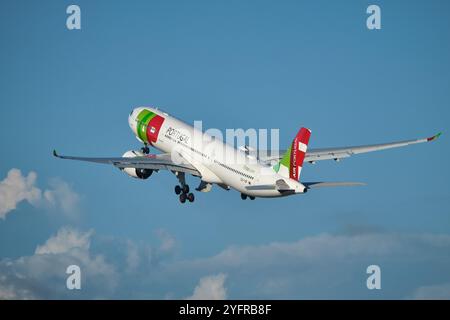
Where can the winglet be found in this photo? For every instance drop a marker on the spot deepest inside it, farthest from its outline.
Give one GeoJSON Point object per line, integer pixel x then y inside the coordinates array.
{"type": "Point", "coordinates": [55, 154]}
{"type": "Point", "coordinates": [434, 137]}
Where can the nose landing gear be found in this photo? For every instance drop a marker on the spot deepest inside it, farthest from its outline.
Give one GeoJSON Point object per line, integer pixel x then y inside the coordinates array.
{"type": "Point", "coordinates": [145, 149]}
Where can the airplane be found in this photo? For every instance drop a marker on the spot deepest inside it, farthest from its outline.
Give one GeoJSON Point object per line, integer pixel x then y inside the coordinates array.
{"type": "Point", "coordinates": [264, 174]}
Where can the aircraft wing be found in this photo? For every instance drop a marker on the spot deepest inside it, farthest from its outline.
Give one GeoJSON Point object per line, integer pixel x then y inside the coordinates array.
{"type": "Point", "coordinates": [313, 155]}
{"type": "Point", "coordinates": [152, 161]}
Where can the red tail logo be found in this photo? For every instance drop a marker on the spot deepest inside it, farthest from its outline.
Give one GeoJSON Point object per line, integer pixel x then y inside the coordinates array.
{"type": "Point", "coordinates": [298, 152]}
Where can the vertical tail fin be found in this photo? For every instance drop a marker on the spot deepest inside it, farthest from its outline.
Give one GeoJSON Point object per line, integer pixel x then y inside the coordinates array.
{"type": "Point", "coordinates": [291, 164]}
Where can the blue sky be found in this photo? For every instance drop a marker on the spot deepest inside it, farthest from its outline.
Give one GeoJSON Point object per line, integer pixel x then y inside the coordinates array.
{"type": "Point", "coordinates": [231, 64]}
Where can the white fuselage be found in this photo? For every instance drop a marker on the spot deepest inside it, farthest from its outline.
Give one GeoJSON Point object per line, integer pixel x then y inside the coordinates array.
{"type": "Point", "coordinates": [216, 161]}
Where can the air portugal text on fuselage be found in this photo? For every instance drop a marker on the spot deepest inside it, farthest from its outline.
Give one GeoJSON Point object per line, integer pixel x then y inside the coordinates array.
{"type": "Point", "coordinates": [148, 126]}
{"type": "Point", "coordinates": [176, 135]}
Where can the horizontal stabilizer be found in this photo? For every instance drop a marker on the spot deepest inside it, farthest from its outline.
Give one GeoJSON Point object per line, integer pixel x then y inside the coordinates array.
{"type": "Point", "coordinates": [313, 185]}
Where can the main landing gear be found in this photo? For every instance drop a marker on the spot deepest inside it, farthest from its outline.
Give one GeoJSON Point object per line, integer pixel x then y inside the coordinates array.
{"type": "Point", "coordinates": [184, 193]}
{"type": "Point", "coordinates": [183, 189]}
{"type": "Point", "coordinates": [244, 197]}
{"type": "Point", "coordinates": [145, 149]}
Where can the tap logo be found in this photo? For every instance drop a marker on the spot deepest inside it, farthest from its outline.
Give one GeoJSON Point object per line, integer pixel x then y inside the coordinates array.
{"type": "Point", "coordinates": [148, 126]}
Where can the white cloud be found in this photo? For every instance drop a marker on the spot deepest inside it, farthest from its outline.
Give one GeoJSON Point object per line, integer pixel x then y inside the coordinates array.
{"type": "Point", "coordinates": [16, 188]}
{"type": "Point", "coordinates": [9, 292]}
{"type": "Point", "coordinates": [133, 257]}
{"type": "Point", "coordinates": [65, 240]}
{"type": "Point", "coordinates": [166, 239]}
{"type": "Point", "coordinates": [324, 266]}
{"type": "Point", "coordinates": [210, 288]}
{"type": "Point", "coordinates": [61, 196]}
{"type": "Point", "coordinates": [42, 275]}
{"type": "Point", "coordinates": [327, 247]}
{"type": "Point", "coordinates": [434, 292]}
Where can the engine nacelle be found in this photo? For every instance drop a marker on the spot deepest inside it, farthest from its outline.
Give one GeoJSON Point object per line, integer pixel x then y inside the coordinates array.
{"type": "Point", "coordinates": [137, 173]}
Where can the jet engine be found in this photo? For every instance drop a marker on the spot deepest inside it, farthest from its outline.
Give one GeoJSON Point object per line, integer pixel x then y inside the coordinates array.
{"type": "Point", "coordinates": [138, 173]}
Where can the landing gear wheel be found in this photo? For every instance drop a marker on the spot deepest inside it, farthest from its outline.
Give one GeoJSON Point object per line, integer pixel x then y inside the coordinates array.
{"type": "Point", "coordinates": [185, 189]}
{"type": "Point", "coordinates": [183, 198]}
{"type": "Point", "coordinates": [243, 196]}
{"type": "Point", "coordinates": [190, 197]}
{"type": "Point", "coordinates": [177, 189]}
{"type": "Point", "coordinates": [252, 197]}
{"type": "Point", "coordinates": [145, 149]}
